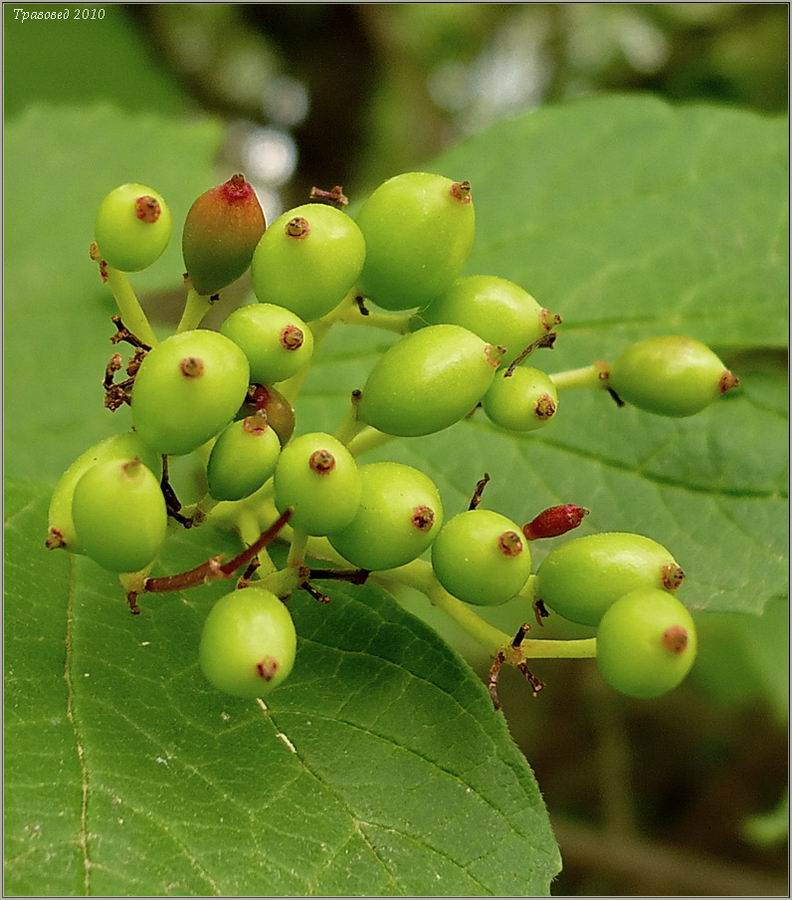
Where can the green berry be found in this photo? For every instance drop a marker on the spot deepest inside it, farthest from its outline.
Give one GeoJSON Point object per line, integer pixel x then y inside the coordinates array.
{"type": "Point", "coordinates": [670, 376]}
{"type": "Point", "coordinates": [497, 310]}
{"type": "Point", "coordinates": [220, 234]}
{"type": "Point", "coordinates": [120, 446]}
{"type": "Point", "coordinates": [248, 643]}
{"type": "Point", "coordinates": [481, 557]}
{"type": "Point", "coordinates": [646, 643]}
{"type": "Point", "coordinates": [308, 260]}
{"type": "Point", "coordinates": [276, 341]}
{"type": "Point", "coordinates": [119, 514]}
{"type": "Point", "coordinates": [279, 412]}
{"type": "Point", "coordinates": [419, 231]}
{"type": "Point", "coordinates": [428, 380]}
{"type": "Point", "coordinates": [399, 516]}
{"type": "Point", "coordinates": [582, 578]}
{"type": "Point", "coordinates": [133, 227]}
{"type": "Point", "coordinates": [187, 389]}
{"type": "Point", "coordinates": [243, 458]}
{"type": "Point", "coordinates": [524, 401]}
{"type": "Point", "coordinates": [317, 476]}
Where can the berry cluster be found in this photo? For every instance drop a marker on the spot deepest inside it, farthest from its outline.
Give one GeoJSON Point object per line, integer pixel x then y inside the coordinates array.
{"type": "Point", "coordinates": [228, 396]}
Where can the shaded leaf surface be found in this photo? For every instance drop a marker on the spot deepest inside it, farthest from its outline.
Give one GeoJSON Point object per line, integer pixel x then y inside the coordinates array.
{"type": "Point", "coordinates": [378, 768]}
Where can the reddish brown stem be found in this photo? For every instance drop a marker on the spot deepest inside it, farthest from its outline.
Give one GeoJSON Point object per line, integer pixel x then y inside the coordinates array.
{"type": "Point", "coordinates": [353, 576]}
{"type": "Point", "coordinates": [547, 340]}
{"type": "Point", "coordinates": [479, 491]}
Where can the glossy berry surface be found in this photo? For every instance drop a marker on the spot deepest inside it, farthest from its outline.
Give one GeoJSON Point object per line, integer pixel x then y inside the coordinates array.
{"type": "Point", "coordinates": [670, 376]}
{"type": "Point", "coordinates": [400, 514]}
{"type": "Point", "coordinates": [497, 310]}
{"type": "Point", "coordinates": [317, 476]}
{"type": "Point", "coordinates": [221, 232]}
{"type": "Point", "coordinates": [119, 513]}
{"type": "Point", "coordinates": [242, 458]}
{"type": "Point", "coordinates": [62, 532]}
{"type": "Point", "coordinates": [582, 578]}
{"type": "Point", "coordinates": [133, 227]}
{"type": "Point", "coordinates": [248, 643]}
{"type": "Point", "coordinates": [279, 412]}
{"type": "Point", "coordinates": [428, 380]}
{"type": "Point", "coordinates": [419, 231]}
{"type": "Point", "coordinates": [308, 260]}
{"type": "Point", "coordinates": [276, 341]}
{"type": "Point", "coordinates": [187, 389]}
{"type": "Point", "coordinates": [481, 557]}
{"type": "Point", "coordinates": [646, 643]}
{"type": "Point", "coordinates": [525, 401]}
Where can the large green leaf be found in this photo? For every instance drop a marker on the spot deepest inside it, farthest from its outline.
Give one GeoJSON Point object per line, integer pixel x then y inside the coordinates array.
{"type": "Point", "coordinates": [59, 163]}
{"type": "Point", "coordinates": [380, 766]}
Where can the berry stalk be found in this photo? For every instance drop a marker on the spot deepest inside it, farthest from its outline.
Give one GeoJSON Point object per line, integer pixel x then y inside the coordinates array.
{"type": "Point", "coordinates": [196, 306]}
{"type": "Point", "coordinates": [593, 376]}
{"type": "Point", "coordinates": [129, 306]}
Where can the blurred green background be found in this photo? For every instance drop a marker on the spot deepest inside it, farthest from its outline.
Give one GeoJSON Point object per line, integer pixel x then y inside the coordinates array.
{"type": "Point", "coordinates": [686, 795]}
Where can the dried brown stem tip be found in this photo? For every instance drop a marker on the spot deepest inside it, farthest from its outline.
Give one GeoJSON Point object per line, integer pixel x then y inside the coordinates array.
{"type": "Point", "coordinates": [147, 209]}
{"type": "Point", "coordinates": [423, 518]}
{"type": "Point", "coordinates": [298, 227]}
{"type": "Point", "coordinates": [335, 196]}
{"type": "Point", "coordinates": [322, 462]}
{"type": "Point", "coordinates": [728, 382]}
{"type": "Point", "coordinates": [192, 367]}
{"type": "Point", "coordinates": [478, 492]}
{"type": "Point", "coordinates": [672, 576]}
{"type": "Point", "coordinates": [546, 340]}
{"type": "Point", "coordinates": [675, 639]}
{"type": "Point", "coordinates": [460, 191]}
{"type": "Point", "coordinates": [54, 539]}
{"type": "Point", "coordinates": [510, 543]}
{"type": "Point", "coordinates": [124, 334]}
{"type": "Point", "coordinates": [494, 354]}
{"type": "Point", "coordinates": [549, 319]}
{"type": "Point", "coordinates": [291, 337]}
{"type": "Point", "coordinates": [554, 521]}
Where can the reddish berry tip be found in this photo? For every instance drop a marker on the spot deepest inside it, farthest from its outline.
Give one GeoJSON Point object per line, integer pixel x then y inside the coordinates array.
{"type": "Point", "coordinates": [728, 381]}
{"type": "Point", "coordinates": [675, 639]}
{"type": "Point", "coordinates": [549, 319]}
{"type": "Point", "coordinates": [554, 521]}
{"type": "Point", "coordinates": [545, 407]}
{"type": "Point", "coordinates": [55, 539]}
{"type": "Point", "coordinates": [672, 576]}
{"type": "Point", "coordinates": [132, 467]}
{"type": "Point", "coordinates": [255, 424]}
{"type": "Point", "coordinates": [147, 209]}
{"type": "Point", "coordinates": [510, 543]}
{"type": "Point", "coordinates": [322, 462]}
{"type": "Point", "coordinates": [298, 227]}
{"type": "Point", "coordinates": [460, 191]}
{"type": "Point", "coordinates": [236, 189]}
{"type": "Point", "coordinates": [267, 668]}
{"type": "Point", "coordinates": [192, 367]}
{"type": "Point", "coordinates": [291, 337]}
{"type": "Point", "coordinates": [423, 518]}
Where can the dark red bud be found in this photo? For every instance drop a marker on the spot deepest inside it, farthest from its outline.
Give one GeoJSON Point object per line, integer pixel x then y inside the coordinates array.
{"type": "Point", "coordinates": [554, 521]}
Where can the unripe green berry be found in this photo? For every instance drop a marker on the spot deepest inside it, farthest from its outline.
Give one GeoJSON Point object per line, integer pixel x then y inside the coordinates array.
{"type": "Point", "coordinates": [581, 579]}
{"type": "Point", "coordinates": [279, 412]}
{"type": "Point", "coordinates": [220, 234]}
{"type": "Point", "coordinates": [419, 231]}
{"type": "Point", "coordinates": [248, 643]}
{"type": "Point", "coordinates": [670, 376]}
{"type": "Point", "coordinates": [119, 513]}
{"type": "Point", "coordinates": [481, 557]}
{"type": "Point", "coordinates": [133, 227]}
{"type": "Point", "coordinates": [428, 380]}
{"type": "Point", "coordinates": [524, 401]}
{"type": "Point", "coordinates": [646, 643]}
{"type": "Point", "coordinates": [62, 532]}
{"type": "Point", "coordinates": [308, 260]}
{"type": "Point", "coordinates": [276, 341]}
{"type": "Point", "coordinates": [187, 389]}
{"type": "Point", "coordinates": [242, 458]}
{"type": "Point", "coordinates": [498, 311]}
{"type": "Point", "coordinates": [399, 516]}
{"type": "Point", "coordinates": [318, 478]}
